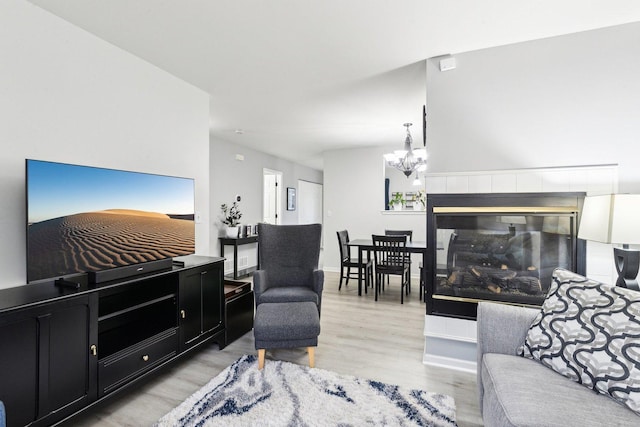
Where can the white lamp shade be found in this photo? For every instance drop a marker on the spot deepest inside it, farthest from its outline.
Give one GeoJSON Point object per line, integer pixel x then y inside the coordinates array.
{"type": "Point", "coordinates": [611, 218]}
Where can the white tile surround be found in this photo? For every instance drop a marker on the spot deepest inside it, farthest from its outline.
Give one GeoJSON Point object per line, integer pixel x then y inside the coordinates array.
{"type": "Point", "coordinates": [451, 342]}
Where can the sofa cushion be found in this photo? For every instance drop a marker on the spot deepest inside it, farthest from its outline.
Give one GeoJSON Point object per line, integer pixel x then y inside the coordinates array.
{"type": "Point", "coordinates": [590, 333]}
{"type": "Point", "coordinates": [523, 392]}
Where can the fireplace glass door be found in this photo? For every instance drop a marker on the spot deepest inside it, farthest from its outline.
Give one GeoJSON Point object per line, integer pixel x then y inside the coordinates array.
{"type": "Point", "coordinates": [506, 257]}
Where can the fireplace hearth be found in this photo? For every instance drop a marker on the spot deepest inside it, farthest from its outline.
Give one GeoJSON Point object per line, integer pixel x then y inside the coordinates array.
{"type": "Point", "coordinates": [498, 247]}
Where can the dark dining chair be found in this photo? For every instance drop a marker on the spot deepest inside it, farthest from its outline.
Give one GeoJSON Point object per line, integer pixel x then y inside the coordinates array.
{"type": "Point", "coordinates": [390, 258]}
{"type": "Point", "coordinates": [347, 262]}
{"type": "Point", "coordinates": [409, 234]}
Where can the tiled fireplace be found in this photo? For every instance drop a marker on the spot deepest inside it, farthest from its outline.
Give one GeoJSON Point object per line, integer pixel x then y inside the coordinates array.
{"type": "Point", "coordinates": [500, 247]}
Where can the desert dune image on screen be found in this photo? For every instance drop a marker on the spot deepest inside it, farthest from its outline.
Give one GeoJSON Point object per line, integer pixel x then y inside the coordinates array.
{"type": "Point", "coordinates": [83, 219]}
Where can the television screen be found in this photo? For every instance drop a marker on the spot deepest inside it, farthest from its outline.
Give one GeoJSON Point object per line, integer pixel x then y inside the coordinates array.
{"type": "Point", "coordinates": [82, 219]}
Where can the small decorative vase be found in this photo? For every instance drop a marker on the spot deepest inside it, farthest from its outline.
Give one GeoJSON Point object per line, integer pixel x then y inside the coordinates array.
{"type": "Point", "coordinates": [232, 232]}
{"type": "Point", "coordinates": [397, 207]}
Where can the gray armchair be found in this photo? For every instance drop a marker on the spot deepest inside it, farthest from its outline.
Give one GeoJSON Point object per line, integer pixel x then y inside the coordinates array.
{"type": "Point", "coordinates": [288, 258]}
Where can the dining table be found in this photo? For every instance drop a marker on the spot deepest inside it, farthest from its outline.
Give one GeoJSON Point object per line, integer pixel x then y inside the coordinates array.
{"type": "Point", "coordinates": [366, 245]}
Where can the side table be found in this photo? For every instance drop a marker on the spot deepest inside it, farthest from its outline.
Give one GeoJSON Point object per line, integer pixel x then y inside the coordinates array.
{"type": "Point", "coordinates": [235, 242]}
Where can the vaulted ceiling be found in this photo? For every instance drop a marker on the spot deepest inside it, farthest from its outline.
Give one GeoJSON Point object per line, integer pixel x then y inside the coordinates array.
{"type": "Point", "coordinates": [300, 77]}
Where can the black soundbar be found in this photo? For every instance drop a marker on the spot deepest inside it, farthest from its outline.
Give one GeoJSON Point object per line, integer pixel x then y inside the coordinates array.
{"type": "Point", "coordinates": [129, 270]}
{"type": "Point", "coordinates": [63, 283]}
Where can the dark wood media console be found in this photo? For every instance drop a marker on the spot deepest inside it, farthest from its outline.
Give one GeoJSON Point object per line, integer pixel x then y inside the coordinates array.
{"type": "Point", "coordinates": [66, 349]}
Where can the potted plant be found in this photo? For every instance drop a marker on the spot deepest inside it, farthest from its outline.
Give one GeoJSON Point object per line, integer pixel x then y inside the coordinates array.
{"type": "Point", "coordinates": [396, 202]}
{"type": "Point", "coordinates": [231, 218]}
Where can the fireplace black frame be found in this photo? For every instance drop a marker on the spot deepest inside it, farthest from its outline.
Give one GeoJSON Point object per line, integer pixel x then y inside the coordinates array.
{"type": "Point", "coordinates": [496, 202]}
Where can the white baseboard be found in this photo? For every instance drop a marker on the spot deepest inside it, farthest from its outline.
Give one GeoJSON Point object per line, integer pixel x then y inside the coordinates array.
{"type": "Point", "coordinates": [450, 363]}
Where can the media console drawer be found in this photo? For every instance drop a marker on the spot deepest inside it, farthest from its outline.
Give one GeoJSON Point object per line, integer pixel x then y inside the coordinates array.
{"type": "Point", "coordinates": [234, 288]}
{"type": "Point", "coordinates": [122, 367]}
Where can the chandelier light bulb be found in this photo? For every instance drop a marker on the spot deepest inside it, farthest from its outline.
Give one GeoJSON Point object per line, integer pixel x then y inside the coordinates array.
{"type": "Point", "coordinates": [408, 160]}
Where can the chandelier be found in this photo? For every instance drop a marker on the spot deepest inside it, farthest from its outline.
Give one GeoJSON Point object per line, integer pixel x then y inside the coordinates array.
{"type": "Point", "coordinates": [408, 160]}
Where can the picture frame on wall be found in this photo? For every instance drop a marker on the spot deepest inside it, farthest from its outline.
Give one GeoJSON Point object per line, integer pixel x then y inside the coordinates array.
{"type": "Point", "coordinates": [291, 199]}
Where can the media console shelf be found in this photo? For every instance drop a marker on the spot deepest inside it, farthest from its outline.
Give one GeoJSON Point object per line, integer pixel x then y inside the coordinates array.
{"type": "Point", "coordinates": [67, 349]}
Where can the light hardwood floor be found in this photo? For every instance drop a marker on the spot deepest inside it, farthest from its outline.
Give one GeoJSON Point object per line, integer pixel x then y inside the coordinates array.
{"type": "Point", "coordinates": [380, 340]}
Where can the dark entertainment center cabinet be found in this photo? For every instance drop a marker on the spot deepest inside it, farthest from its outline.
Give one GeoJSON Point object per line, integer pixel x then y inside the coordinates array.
{"type": "Point", "coordinates": [65, 349]}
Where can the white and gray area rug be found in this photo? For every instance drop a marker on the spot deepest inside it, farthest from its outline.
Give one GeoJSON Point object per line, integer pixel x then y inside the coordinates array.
{"type": "Point", "coordinates": [286, 394]}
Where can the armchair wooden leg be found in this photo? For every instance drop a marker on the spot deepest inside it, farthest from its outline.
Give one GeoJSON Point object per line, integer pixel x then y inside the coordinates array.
{"type": "Point", "coordinates": [261, 358]}
{"type": "Point", "coordinates": [312, 357]}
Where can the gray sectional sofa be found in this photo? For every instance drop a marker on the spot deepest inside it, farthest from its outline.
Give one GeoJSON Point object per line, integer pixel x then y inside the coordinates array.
{"type": "Point", "coordinates": [516, 391]}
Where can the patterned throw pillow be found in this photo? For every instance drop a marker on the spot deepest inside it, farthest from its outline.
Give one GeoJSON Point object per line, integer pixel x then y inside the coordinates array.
{"type": "Point", "coordinates": [590, 333]}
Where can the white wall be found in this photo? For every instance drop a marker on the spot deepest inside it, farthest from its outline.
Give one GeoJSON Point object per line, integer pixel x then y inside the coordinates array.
{"type": "Point", "coordinates": [562, 101]}
{"type": "Point", "coordinates": [230, 177]}
{"type": "Point", "coordinates": [569, 100]}
{"type": "Point", "coordinates": [354, 201]}
{"type": "Point", "coordinates": [68, 96]}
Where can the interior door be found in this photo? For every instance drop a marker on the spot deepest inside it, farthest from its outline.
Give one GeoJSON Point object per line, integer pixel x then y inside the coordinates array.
{"type": "Point", "coordinates": [310, 204]}
{"type": "Point", "coordinates": [272, 189]}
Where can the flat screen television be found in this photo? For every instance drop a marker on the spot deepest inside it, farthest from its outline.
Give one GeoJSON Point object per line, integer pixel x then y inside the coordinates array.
{"type": "Point", "coordinates": [83, 219]}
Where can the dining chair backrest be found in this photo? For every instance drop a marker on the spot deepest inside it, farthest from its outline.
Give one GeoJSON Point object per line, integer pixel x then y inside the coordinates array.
{"type": "Point", "coordinates": [390, 253]}
{"type": "Point", "coordinates": [343, 240]}
{"type": "Point", "coordinates": [408, 233]}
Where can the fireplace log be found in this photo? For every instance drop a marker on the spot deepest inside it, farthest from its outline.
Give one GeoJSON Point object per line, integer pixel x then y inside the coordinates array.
{"type": "Point", "coordinates": [495, 289]}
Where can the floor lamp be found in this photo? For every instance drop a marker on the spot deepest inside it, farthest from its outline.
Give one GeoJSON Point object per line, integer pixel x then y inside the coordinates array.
{"type": "Point", "coordinates": [613, 218]}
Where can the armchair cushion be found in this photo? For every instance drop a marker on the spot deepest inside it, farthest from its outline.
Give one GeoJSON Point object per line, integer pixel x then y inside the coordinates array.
{"type": "Point", "coordinates": [289, 294]}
